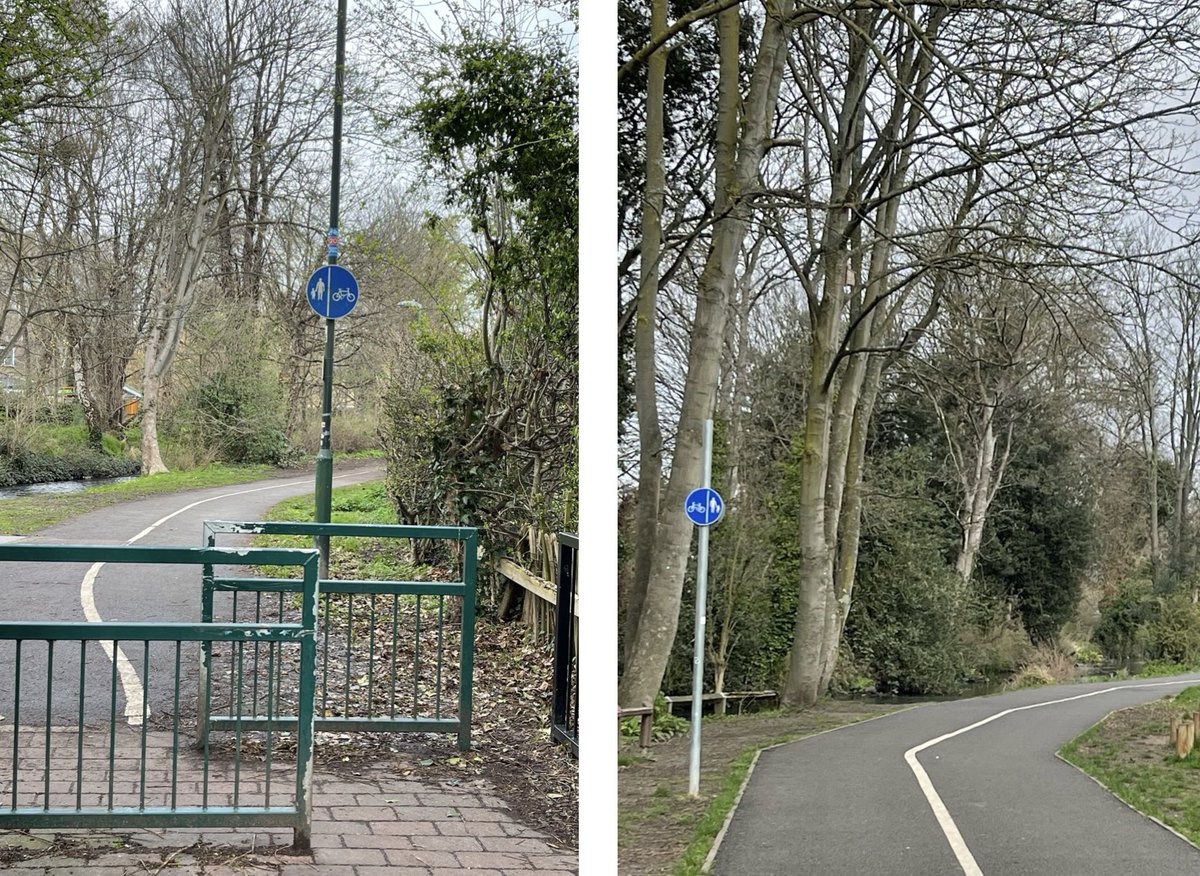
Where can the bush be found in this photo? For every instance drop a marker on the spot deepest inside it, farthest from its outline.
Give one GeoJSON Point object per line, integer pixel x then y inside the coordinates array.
{"type": "Point", "coordinates": [1174, 634]}
{"type": "Point", "coordinates": [1047, 666]}
{"type": "Point", "coordinates": [34, 467]}
{"type": "Point", "coordinates": [1030, 676]}
{"type": "Point", "coordinates": [909, 622]}
{"type": "Point", "coordinates": [1122, 615]}
{"type": "Point", "coordinates": [239, 414]}
{"type": "Point", "coordinates": [665, 724]}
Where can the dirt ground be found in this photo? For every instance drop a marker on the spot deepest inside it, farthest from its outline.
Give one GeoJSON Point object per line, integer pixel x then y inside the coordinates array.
{"type": "Point", "coordinates": [656, 818]}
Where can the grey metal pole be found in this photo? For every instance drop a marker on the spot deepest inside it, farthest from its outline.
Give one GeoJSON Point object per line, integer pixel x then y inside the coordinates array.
{"type": "Point", "coordinates": [701, 612]}
{"type": "Point", "coordinates": [324, 475]}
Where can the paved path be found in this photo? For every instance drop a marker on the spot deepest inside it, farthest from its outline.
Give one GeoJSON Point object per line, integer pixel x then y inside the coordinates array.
{"type": "Point", "coordinates": [367, 825]}
{"type": "Point", "coordinates": [848, 802]}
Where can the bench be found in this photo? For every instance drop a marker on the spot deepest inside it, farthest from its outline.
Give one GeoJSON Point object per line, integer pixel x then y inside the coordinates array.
{"type": "Point", "coordinates": [646, 713]}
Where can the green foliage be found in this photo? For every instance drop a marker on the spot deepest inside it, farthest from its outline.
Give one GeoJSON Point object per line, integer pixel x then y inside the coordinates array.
{"type": "Point", "coordinates": [357, 503]}
{"type": "Point", "coordinates": [1159, 668]}
{"type": "Point", "coordinates": [1041, 528]}
{"type": "Point", "coordinates": [911, 614]}
{"type": "Point", "coordinates": [1135, 622]}
{"type": "Point", "coordinates": [665, 724]}
{"type": "Point", "coordinates": [239, 413]}
{"type": "Point", "coordinates": [485, 434]}
{"type": "Point", "coordinates": [34, 467]}
{"type": "Point", "coordinates": [909, 619]}
{"type": "Point", "coordinates": [498, 117]}
{"type": "Point", "coordinates": [46, 452]}
{"type": "Point", "coordinates": [1122, 615]}
{"type": "Point", "coordinates": [1174, 633]}
{"type": "Point", "coordinates": [27, 514]}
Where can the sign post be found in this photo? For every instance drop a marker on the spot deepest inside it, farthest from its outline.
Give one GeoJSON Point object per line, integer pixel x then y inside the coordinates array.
{"type": "Point", "coordinates": [704, 507]}
{"type": "Point", "coordinates": [324, 478]}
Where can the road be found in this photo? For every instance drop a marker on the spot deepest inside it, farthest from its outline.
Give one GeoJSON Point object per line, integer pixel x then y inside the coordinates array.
{"type": "Point", "coordinates": [134, 593]}
{"type": "Point", "coordinates": [993, 800]}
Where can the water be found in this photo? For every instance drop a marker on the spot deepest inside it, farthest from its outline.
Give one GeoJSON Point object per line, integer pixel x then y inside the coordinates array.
{"type": "Point", "coordinates": [56, 487]}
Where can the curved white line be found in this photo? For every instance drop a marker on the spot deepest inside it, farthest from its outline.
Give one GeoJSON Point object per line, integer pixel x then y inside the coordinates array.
{"type": "Point", "coordinates": [945, 821]}
{"type": "Point", "coordinates": [130, 683]}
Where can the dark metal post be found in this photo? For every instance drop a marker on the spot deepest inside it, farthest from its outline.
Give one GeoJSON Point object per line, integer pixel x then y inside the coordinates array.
{"type": "Point", "coordinates": [564, 720]}
{"type": "Point", "coordinates": [324, 486]}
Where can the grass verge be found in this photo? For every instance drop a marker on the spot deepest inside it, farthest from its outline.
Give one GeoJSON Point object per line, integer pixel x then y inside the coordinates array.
{"type": "Point", "coordinates": [25, 514]}
{"type": "Point", "coordinates": [1128, 753]}
{"type": "Point", "coordinates": [714, 816]}
{"type": "Point", "coordinates": [660, 829]}
{"type": "Point", "coordinates": [363, 558]}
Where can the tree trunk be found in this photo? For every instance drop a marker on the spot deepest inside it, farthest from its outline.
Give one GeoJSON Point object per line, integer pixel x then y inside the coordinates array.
{"type": "Point", "coordinates": [152, 462]}
{"type": "Point", "coordinates": [977, 484]}
{"type": "Point", "coordinates": [646, 378]}
{"type": "Point", "coordinates": [83, 392]}
{"type": "Point", "coordinates": [659, 619]}
{"type": "Point", "coordinates": [802, 686]}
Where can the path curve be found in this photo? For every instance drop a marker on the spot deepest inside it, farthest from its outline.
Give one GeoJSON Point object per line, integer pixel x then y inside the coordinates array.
{"type": "Point", "coordinates": [81, 591]}
{"type": "Point", "coordinates": [858, 800]}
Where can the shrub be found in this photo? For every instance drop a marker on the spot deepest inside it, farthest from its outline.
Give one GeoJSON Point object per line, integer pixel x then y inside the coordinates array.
{"type": "Point", "coordinates": [1030, 676]}
{"type": "Point", "coordinates": [1174, 634]}
{"type": "Point", "coordinates": [239, 414]}
{"type": "Point", "coordinates": [1122, 614]}
{"type": "Point", "coordinates": [1048, 665]}
{"type": "Point", "coordinates": [34, 467]}
{"type": "Point", "coordinates": [908, 623]}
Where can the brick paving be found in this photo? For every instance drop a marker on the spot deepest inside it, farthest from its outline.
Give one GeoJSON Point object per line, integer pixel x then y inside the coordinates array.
{"type": "Point", "coordinates": [368, 825]}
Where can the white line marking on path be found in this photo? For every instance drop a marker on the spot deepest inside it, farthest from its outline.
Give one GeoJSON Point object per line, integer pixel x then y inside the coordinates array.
{"type": "Point", "coordinates": [130, 683]}
{"type": "Point", "coordinates": [957, 844]}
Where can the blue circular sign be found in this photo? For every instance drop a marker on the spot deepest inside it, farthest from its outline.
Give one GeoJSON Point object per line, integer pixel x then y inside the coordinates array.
{"type": "Point", "coordinates": [332, 291]}
{"type": "Point", "coordinates": [704, 506]}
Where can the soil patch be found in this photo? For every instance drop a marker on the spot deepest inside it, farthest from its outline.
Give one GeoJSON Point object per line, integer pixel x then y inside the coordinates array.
{"type": "Point", "coordinates": [657, 819]}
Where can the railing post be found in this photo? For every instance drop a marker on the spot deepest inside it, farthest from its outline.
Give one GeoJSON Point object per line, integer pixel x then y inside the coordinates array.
{"type": "Point", "coordinates": [202, 688]}
{"type": "Point", "coordinates": [563, 629]}
{"type": "Point", "coordinates": [467, 667]}
{"type": "Point", "coordinates": [302, 836]}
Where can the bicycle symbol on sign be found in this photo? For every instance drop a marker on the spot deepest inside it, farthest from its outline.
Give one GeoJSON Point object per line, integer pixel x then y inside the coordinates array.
{"type": "Point", "coordinates": [339, 294]}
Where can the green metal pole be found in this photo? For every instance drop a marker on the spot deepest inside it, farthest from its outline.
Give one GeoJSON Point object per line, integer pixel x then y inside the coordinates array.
{"type": "Point", "coordinates": [324, 485]}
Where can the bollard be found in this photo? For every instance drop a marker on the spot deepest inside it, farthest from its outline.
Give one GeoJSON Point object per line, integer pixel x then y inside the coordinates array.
{"type": "Point", "coordinates": [1173, 733]}
{"type": "Point", "coordinates": [1186, 738]}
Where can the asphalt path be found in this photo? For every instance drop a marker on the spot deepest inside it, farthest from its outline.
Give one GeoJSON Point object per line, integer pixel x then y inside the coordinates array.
{"type": "Point", "coordinates": [849, 802]}
{"type": "Point", "coordinates": [130, 593]}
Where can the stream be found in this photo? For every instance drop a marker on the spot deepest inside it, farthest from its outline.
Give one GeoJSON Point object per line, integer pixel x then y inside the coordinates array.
{"type": "Point", "coordinates": [56, 487]}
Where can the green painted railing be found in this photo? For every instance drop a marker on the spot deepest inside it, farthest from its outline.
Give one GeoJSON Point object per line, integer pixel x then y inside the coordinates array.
{"type": "Point", "coordinates": [406, 682]}
{"type": "Point", "coordinates": [75, 763]}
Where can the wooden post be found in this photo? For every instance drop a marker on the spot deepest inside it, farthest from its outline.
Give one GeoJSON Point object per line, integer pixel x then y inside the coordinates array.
{"type": "Point", "coordinates": [1174, 731]}
{"type": "Point", "coordinates": [1185, 738]}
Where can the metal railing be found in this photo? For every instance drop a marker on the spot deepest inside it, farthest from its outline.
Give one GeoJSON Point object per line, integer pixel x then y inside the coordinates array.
{"type": "Point", "coordinates": [564, 719]}
{"type": "Point", "coordinates": [404, 683]}
{"type": "Point", "coordinates": [75, 763]}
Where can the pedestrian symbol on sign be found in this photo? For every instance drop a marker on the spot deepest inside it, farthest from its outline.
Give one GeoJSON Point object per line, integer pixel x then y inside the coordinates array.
{"type": "Point", "coordinates": [332, 291]}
